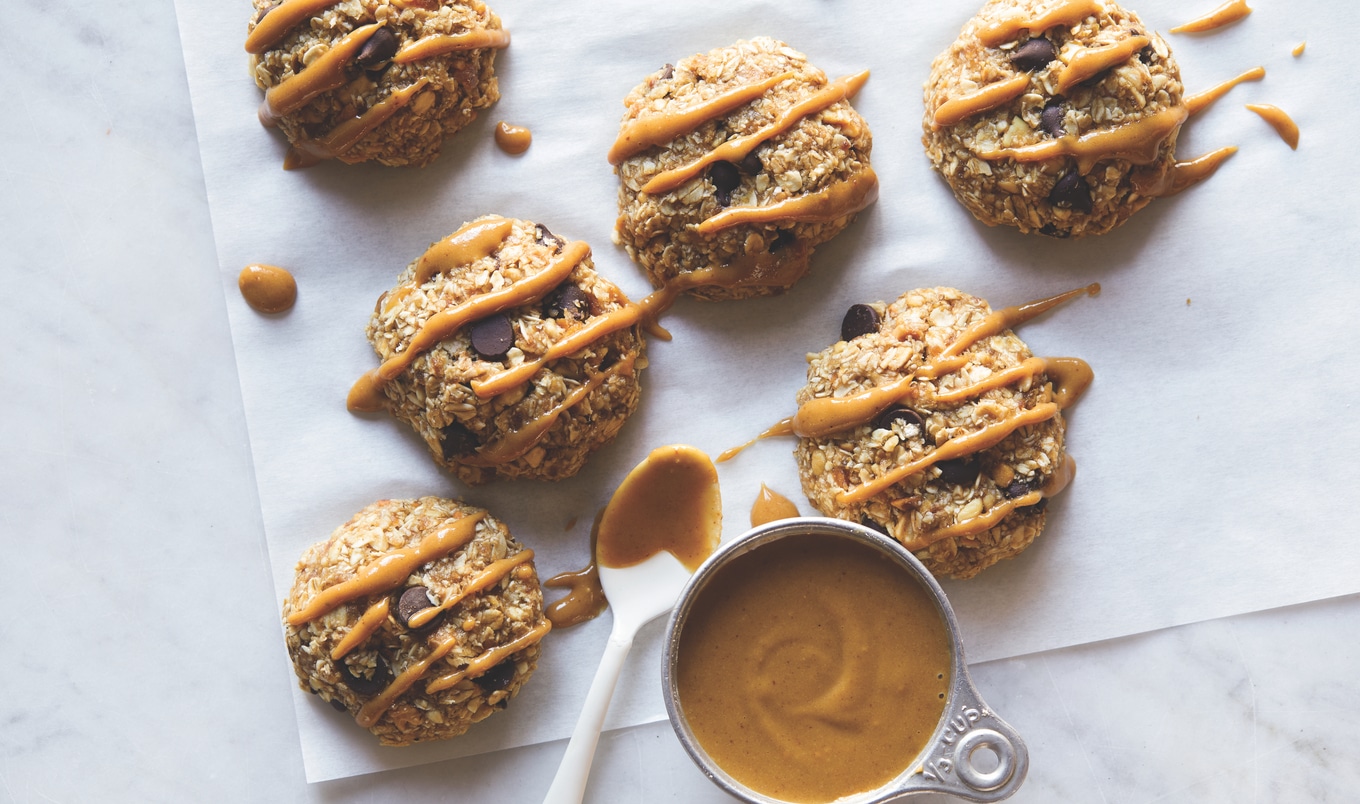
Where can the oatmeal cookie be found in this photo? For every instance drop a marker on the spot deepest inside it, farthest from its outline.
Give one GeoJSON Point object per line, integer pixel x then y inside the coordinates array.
{"type": "Point", "coordinates": [385, 80]}
{"type": "Point", "coordinates": [506, 352]}
{"type": "Point", "coordinates": [734, 164]}
{"type": "Point", "coordinates": [418, 617]}
{"type": "Point", "coordinates": [1054, 116]}
{"type": "Point", "coordinates": [932, 422]}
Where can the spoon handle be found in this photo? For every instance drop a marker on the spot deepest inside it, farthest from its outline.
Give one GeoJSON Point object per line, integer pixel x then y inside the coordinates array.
{"type": "Point", "coordinates": [570, 783]}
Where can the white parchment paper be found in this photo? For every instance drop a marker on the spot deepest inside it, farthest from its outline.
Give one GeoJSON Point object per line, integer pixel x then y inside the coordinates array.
{"type": "Point", "coordinates": [1215, 448]}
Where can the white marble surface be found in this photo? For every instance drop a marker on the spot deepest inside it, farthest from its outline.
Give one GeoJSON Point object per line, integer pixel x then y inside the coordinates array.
{"type": "Point", "coordinates": [123, 441]}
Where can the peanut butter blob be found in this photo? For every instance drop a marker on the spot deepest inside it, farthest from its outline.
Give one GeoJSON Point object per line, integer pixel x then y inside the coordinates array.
{"type": "Point", "coordinates": [813, 668]}
{"type": "Point", "coordinates": [668, 502]}
{"type": "Point", "coordinates": [267, 288]}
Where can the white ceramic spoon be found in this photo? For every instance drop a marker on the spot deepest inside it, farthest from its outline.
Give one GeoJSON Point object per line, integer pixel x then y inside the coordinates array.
{"type": "Point", "coordinates": [637, 595]}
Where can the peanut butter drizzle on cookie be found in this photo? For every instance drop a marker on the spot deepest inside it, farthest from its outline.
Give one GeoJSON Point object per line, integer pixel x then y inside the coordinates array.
{"type": "Point", "coordinates": [267, 288]}
{"type": "Point", "coordinates": [281, 19]}
{"type": "Point", "coordinates": [1226, 14]}
{"type": "Point", "coordinates": [491, 658]}
{"type": "Point", "coordinates": [472, 242]}
{"type": "Point", "coordinates": [322, 75]}
{"type": "Point", "coordinates": [1201, 100]}
{"type": "Point", "coordinates": [780, 269]}
{"type": "Point", "coordinates": [736, 149]}
{"type": "Point", "coordinates": [1278, 120]}
{"type": "Point", "coordinates": [1181, 175]}
{"type": "Point", "coordinates": [783, 427]}
{"type": "Point", "coordinates": [1092, 61]}
{"type": "Point", "coordinates": [771, 506]}
{"type": "Point", "coordinates": [1070, 12]}
{"type": "Point", "coordinates": [992, 96]}
{"type": "Point", "coordinates": [638, 135]}
{"type": "Point", "coordinates": [366, 394]}
{"type": "Point", "coordinates": [305, 153]}
{"type": "Point", "coordinates": [371, 621]}
{"type": "Point", "coordinates": [670, 502]}
{"type": "Point", "coordinates": [836, 201]}
{"type": "Point", "coordinates": [523, 439]}
{"type": "Point", "coordinates": [1139, 142]}
{"type": "Point", "coordinates": [596, 329]}
{"type": "Point", "coordinates": [584, 600]}
{"type": "Point", "coordinates": [440, 44]}
{"type": "Point", "coordinates": [492, 574]}
{"type": "Point", "coordinates": [513, 139]}
{"type": "Point", "coordinates": [389, 571]}
{"type": "Point", "coordinates": [980, 524]}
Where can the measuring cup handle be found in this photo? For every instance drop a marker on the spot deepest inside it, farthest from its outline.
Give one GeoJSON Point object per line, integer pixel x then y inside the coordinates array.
{"type": "Point", "coordinates": [951, 763]}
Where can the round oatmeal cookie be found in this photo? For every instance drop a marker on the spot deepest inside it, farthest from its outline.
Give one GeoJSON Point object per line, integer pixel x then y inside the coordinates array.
{"type": "Point", "coordinates": [506, 352]}
{"type": "Point", "coordinates": [418, 617]}
{"type": "Point", "coordinates": [383, 80]}
{"type": "Point", "coordinates": [1054, 116]}
{"type": "Point", "coordinates": [734, 165]}
{"type": "Point", "coordinates": [932, 422]}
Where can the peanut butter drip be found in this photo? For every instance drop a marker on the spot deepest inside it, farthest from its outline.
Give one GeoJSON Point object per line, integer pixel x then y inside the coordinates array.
{"type": "Point", "coordinates": [668, 502]}
{"type": "Point", "coordinates": [1139, 142]}
{"type": "Point", "coordinates": [491, 658]}
{"type": "Point", "coordinates": [322, 75]}
{"type": "Point", "coordinates": [1299, 48]}
{"type": "Point", "coordinates": [837, 201]}
{"type": "Point", "coordinates": [513, 139]}
{"type": "Point", "coordinates": [472, 242]}
{"type": "Point", "coordinates": [267, 288]}
{"type": "Point", "coordinates": [441, 44]}
{"type": "Point", "coordinates": [1065, 13]}
{"type": "Point", "coordinates": [488, 577]}
{"type": "Point", "coordinates": [783, 427]}
{"type": "Point", "coordinates": [984, 522]}
{"type": "Point", "coordinates": [1226, 14]}
{"type": "Point", "coordinates": [584, 599]}
{"type": "Point", "coordinates": [825, 416]}
{"type": "Point", "coordinates": [305, 153]}
{"type": "Point", "coordinates": [1181, 175]}
{"type": "Point", "coordinates": [644, 132]}
{"type": "Point", "coordinates": [779, 270]}
{"type": "Point", "coordinates": [1281, 122]}
{"type": "Point", "coordinates": [596, 329]}
{"type": "Point", "coordinates": [371, 621]}
{"type": "Point", "coordinates": [992, 96]}
{"type": "Point", "coordinates": [771, 506]}
{"type": "Point", "coordinates": [1202, 100]}
{"type": "Point", "coordinates": [1092, 61]}
{"type": "Point", "coordinates": [526, 437]}
{"type": "Point", "coordinates": [366, 394]}
{"type": "Point", "coordinates": [370, 712]}
{"type": "Point", "coordinates": [389, 571]}
{"type": "Point", "coordinates": [734, 150]}
{"type": "Point", "coordinates": [281, 19]}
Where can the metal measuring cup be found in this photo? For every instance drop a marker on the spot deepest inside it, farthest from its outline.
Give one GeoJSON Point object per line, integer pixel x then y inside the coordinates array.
{"type": "Point", "coordinates": [949, 762]}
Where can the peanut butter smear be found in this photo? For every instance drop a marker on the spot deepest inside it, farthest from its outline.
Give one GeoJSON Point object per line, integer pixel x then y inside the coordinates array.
{"type": "Point", "coordinates": [1283, 124]}
{"type": "Point", "coordinates": [279, 20]}
{"type": "Point", "coordinates": [811, 669]}
{"type": "Point", "coordinates": [1299, 48]}
{"type": "Point", "coordinates": [669, 502]}
{"type": "Point", "coordinates": [771, 506]}
{"type": "Point", "coordinates": [1065, 13]}
{"type": "Point", "coordinates": [513, 139]}
{"type": "Point", "coordinates": [334, 143]}
{"type": "Point", "coordinates": [327, 72]}
{"type": "Point", "coordinates": [584, 600]}
{"type": "Point", "coordinates": [985, 99]}
{"type": "Point", "coordinates": [442, 44]}
{"type": "Point", "coordinates": [1200, 101]}
{"type": "Point", "coordinates": [1089, 62]}
{"type": "Point", "coordinates": [1226, 14]}
{"type": "Point", "coordinates": [828, 204]}
{"type": "Point", "coordinates": [267, 288]}
{"type": "Point", "coordinates": [1182, 174]}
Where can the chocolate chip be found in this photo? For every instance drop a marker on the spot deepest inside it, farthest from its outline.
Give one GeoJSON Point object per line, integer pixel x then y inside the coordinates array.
{"type": "Point", "coordinates": [782, 240]}
{"type": "Point", "coordinates": [907, 416]}
{"type": "Point", "coordinates": [545, 237]}
{"type": "Point", "coordinates": [492, 337]}
{"type": "Point", "coordinates": [959, 472]}
{"type": "Point", "coordinates": [415, 599]}
{"type": "Point", "coordinates": [1053, 231]}
{"type": "Point", "coordinates": [497, 678]}
{"type": "Point", "coordinates": [1019, 488]}
{"type": "Point", "coordinates": [1147, 55]}
{"type": "Point", "coordinates": [457, 440]}
{"type": "Point", "coordinates": [873, 525]}
{"type": "Point", "coordinates": [378, 50]}
{"type": "Point", "coordinates": [1051, 119]}
{"type": "Point", "coordinates": [751, 164]}
{"type": "Point", "coordinates": [860, 319]}
{"type": "Point", "coordinates": [337, 705]}
{"type": "Point", "coordinates": [568, 301]}
{"type": "Point", "coordinates": [667, 71]}
{"type": "Point", "coordinates": [365, 685]}
{"type": "Point", "coordinates": [725, 176]}
{"type": "Point", "coordinates": [1033, 55]}
{"type": "Point", "coordinates": [1071, 191]}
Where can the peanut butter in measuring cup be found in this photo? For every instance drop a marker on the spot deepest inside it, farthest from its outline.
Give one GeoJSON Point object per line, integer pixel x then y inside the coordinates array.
{"type": "Point", "coordinates": [814, 660]}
